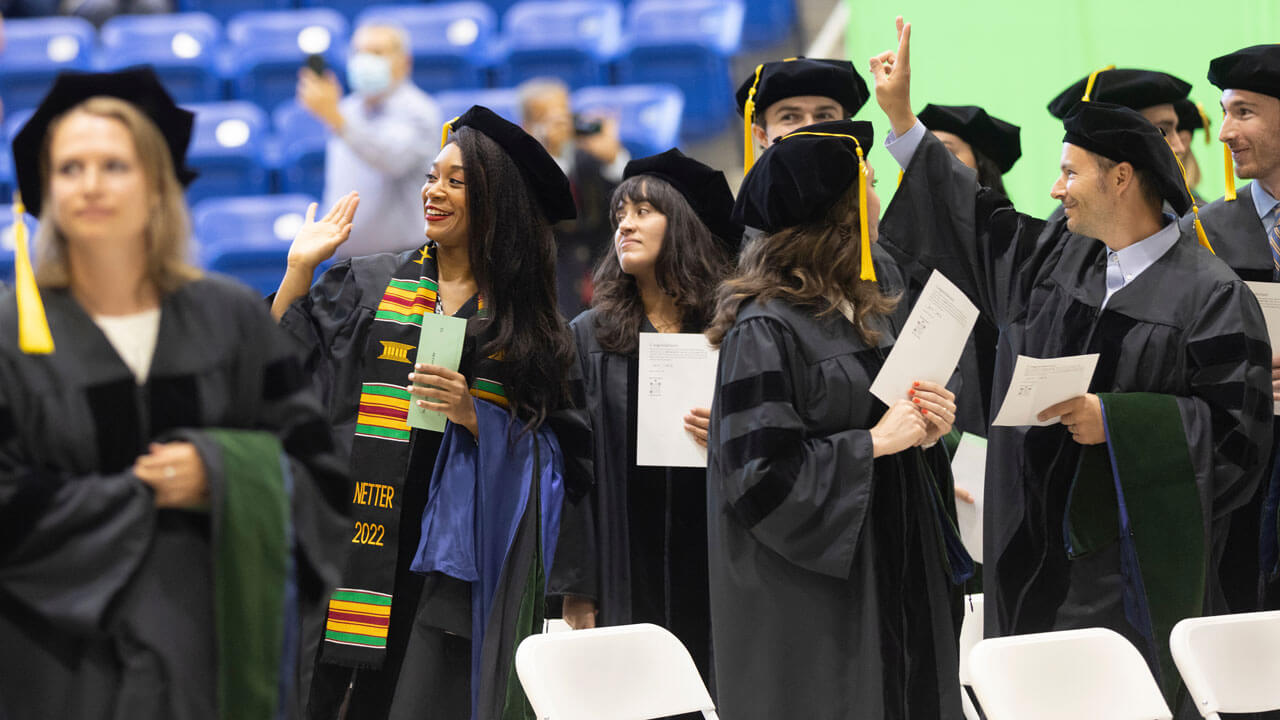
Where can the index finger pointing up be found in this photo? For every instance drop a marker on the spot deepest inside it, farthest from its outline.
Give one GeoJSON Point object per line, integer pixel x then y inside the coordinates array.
{"type": "Point", "coordinates": [904, 45]}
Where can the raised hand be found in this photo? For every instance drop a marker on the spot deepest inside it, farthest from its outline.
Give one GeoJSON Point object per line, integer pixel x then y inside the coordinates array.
{"type": "Point", "coordinates": [892, 72]}
{"type": "Point", "coordinates": [317, 240]}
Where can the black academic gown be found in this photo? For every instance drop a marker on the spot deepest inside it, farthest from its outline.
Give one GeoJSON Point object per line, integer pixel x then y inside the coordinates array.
{"type": "Point", "coordinates": [427, 668]}
{"type": "Point", "coordinates": [1186, 327]}
{"type": "Point", "coordinates": [651, 522]}
{"type": "Point", "coordinates": [831, 591]}
{"type": "Point", "coordinates": [106, 603]}
{"type": "Point", "coordinates": [1238, 238]}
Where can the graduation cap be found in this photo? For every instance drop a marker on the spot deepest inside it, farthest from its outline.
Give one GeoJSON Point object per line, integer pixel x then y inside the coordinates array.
{"type": "Point", "coordinates": [545, 179]}
{"type": "Point", "coordinates": [1135, 89]}
{"type": "Point", "coordinates": [803, 174]}
{"type": "Point", "coordinates": [703, 187]}
{"type": "Point", "coordinates": [793, 77]}
{"type": "Point", "coordinates": [991, 136]}
{"type": "Point", "coordinates": [1122, 134]}
{"type": "Point", "coordinates": [1192, 117]}
{"type": "Point", "coordinates": [138, 86]}
{"type": "Point", "coordinates": [1256, 69]}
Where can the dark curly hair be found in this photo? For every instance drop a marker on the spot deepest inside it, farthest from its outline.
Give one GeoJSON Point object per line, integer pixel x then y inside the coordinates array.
{"type": "Point", "coordinates": [513, 255]}
{"type": "Point", "coordinates": [689, 267]}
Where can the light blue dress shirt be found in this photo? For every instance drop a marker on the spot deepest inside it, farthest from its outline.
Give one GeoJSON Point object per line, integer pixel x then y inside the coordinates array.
{"type": "Point", "coordinates": [1123, 266]}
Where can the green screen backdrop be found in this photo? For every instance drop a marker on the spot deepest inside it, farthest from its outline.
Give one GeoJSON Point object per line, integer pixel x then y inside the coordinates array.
{"type": "Point", "coordinates": [1013, 56]}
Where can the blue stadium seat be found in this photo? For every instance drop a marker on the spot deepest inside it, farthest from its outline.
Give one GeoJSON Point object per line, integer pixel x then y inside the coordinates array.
{"type": "Point", "coordinates": [302, 140]}
{"type": "Point", "coordinates": [7, 181]}
{"type": "Point", "coordinates": [183, 49]}
{"type": "Point", "coordinates": [267, 48]}
{"type": "Point", "coordinates": [35, 50]}
{"type": "Point", "coordinates": [503, 101]}
{"type": "Point", "coordinates": [452, 42]}
{"type": "Point", "coordinates": [767, 22]}
{"type": "Point", "coordinates": [13, 122]}
{"type": "Point", "coordinates": [6, 240]}
{"type": "Point", "coordinates": [648, 115]}
{"type": "Point", "coordinates": [574, 40]}
{"type": "Point", "coordinates": [688, 43]}
{"type": "Point", "coordinates": [248, 237]}
{"type": "Point", "coordinates": [227, 147]}
{"type": "Point", "coordinates": [224, 10]}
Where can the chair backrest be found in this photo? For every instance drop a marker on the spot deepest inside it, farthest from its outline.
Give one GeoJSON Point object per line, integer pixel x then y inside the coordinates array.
{"type": "Point", "coordinates": [226, 9]}
{"type": "Point", "coordinates": [249, 221]}
{"type": "Point", "coordinates": [35, 50]}
{"type": "Point", "coordinates": [189, 37]}
{"type": "Point", "coordinates": [234, 127]}
{"type": "Point", "coordinates": [47, 42]}
{"type": "Point", "coordinates": [627, 672]}
{"type": "Point", "coordinates": [464, 28]}
{"type": "Point", "coordinates": [1093, 673]}
{"type": "Point", "coordinates": [591, 26]}
{"type": "Point", "coordinates": [1230, 663]}
{"type": "Point", "coordinates": [183, 48]}
{"type": "Point", "coordinates": [712, 24]}
{"type": "Point", "coordinates": [288, 34]}
{"type": "Point", "coordinates": [504, 101]}
{"type": "Point", "coordinates": [970, 635]}
{"type": "Point", "coordinates": [649, 116]}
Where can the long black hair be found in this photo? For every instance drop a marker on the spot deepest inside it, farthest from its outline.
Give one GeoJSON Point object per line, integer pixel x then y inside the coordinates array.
{"type": "Point", "coordinates": [989, 174]}
{"type": "Point", "coordinates": [512, 252]}
{"type": "Point", "coordinates": [689, 267]}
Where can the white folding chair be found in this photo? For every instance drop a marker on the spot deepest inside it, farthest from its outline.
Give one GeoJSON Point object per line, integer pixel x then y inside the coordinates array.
{"type": "Point", "coordinates": [1230, 663]}
{"type": "Point", "coordinates": [627, 672]}
{"type": "Point", "coordinates": [1093, 673]}
{"type": "Point", "coordinates": [970, 634]}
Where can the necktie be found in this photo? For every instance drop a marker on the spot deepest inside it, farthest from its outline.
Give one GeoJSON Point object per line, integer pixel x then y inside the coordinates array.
{"type": "Point", "coordinates": [1273, 239]}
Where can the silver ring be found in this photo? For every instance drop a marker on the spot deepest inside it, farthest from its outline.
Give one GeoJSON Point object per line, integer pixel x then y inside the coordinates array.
{"type": "Point", "coordinates": [169, 471]}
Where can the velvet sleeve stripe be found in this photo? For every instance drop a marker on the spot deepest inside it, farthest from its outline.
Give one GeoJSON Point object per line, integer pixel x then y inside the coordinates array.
{"type": "Point", "coordinates": [761, 499]}
{"type": "Point", "coordinates": [1237, 395]}
{"type": "Point", "coordinates": [1229, 350]}
{"type": "Point", "coordinates": [750, 392]}
{"type": "Point", "coordinates": [1237, 448]}
{"type": "Point", "coordinates": [759, 444]}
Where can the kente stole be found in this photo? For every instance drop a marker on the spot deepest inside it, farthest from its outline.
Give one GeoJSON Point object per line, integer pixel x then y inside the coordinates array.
{"type": "Point", "coordinates": [359, 617]}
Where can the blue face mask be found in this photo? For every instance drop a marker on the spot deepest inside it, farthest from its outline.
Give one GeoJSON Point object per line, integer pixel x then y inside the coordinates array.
{"type": "Point", "coordinates": [368, 74]}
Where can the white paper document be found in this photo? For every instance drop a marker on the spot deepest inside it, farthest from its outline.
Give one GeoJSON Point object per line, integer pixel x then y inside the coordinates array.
{"type": "Point", "coordinates": [677, 373]}
{"type": "Point", "coordinates": [1038, 385]}
{"type": "Point", "coordinates": [1268, 294]}
{"type": "Point", "coordinates": [931, 343]}
{"type": "Point", "coordinates": [969, 467]}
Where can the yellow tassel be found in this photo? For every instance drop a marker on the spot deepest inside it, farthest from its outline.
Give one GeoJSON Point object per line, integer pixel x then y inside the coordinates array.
{"type": "Point", "coordinates": [1093, 77]}
{"type": "Point", "coordinates": [868, 267]}
{"type": "Point", "coordinates": [34, 337]}
{"type": "Point", "coordinates": [748, 114]}
{"type": "Point", "coordinates": [1204, 122]}
{"type": "Point", "coordinates": [444, 134]}
{"type": "Point", "coordinates": [1230, 172]}
{"type": "Point", "coordinates": [901, 172]}
{"type": "Point", "coordinates": [1204, 239]}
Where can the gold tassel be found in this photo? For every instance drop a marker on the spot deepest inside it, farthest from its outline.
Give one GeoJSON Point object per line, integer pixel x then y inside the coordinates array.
{"type": "Point", "coordinates": [444, 134]}
{"type": "Point", "coordinates": [868, 267]}
{"type": "Point", "coordinates": [34, 337]}
{"type": "Point", "coordinates": [1093, 77]}
{"type": "Point", "coordinates": [1230, 173]}
{"type": "Point", "coordinates": [1204, 239]}
{"type": "Point", "coordinates": [901, 172]}
{"type": "Point", "coordinates": [748, 114]}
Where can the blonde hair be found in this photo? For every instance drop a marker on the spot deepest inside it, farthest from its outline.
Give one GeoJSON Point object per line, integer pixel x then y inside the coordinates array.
{"type": "Point", "coordinates": [168, 230]}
